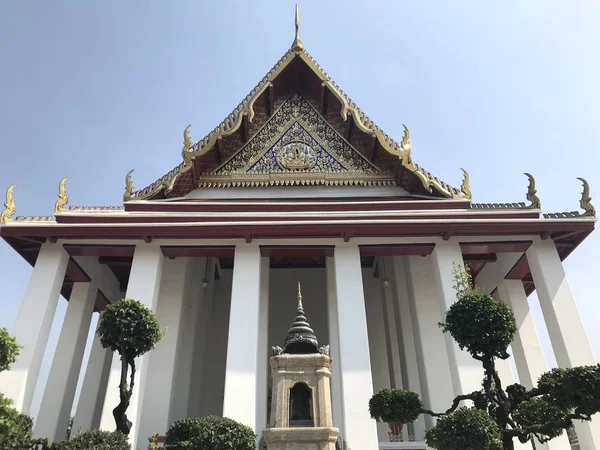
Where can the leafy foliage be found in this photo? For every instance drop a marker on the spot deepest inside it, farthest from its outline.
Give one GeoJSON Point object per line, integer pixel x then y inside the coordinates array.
{"type": "Point", "coordinates": [467, 429]}
{"type": "Point", "coordinates": [9, 349]}
{"type": "Point", "coordinates": [481, 324]}
{"type": "Point", "coordinates": [131, 329]}
{"type": "Point", "coordinates": [485, 327]}
{"type": "Point", "coordinates": [395, 406]}
{"type": "Point", "coordinates": [96, 440]}
{"type": "Point", "coordinates": [210, 433]}
{"type": "Point", "coordinates": [15, 428]}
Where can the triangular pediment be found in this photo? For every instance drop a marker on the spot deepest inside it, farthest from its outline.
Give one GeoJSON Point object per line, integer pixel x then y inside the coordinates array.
{"type": "Point", "coordinates": [297, 146]}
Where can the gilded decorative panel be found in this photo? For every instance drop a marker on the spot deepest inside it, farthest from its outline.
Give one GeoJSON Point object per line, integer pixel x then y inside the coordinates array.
{"type": "Point", "coordinates": [297, 139]}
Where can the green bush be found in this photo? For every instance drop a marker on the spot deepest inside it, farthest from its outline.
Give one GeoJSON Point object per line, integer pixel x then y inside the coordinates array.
{"type": "Point", "coordinates": [96, 440]}
{"type": "Point", "coordinates": [15, 428]}
{"type": "Point", "coordinates": [465, 429]}
{"type": "Point", "coordinates": [577, 387]}
{"type": "Point", "coordinates": [210, 433]}
{"type": "Point", "coordinates": [481, 324]}
{"type": "Point", "coordinates": [537, 413]}
{"type": "Point", "coordinates": [395, 406]}
{"type": "Point", "coordinates": [9, 349]}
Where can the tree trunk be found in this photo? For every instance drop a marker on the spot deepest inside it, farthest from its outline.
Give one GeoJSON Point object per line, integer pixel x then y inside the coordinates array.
{"type": "Point", "coordinates": [119, 413]}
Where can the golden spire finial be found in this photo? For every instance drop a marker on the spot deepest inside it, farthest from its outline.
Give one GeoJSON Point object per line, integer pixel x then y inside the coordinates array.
{"type": "Point", "coordinates": [464, 187]}
{"type": "Point", "coordinates": [128, 186]}
{"type": "Point", "coordinates": [63, 199]}
{"type": "Point", "coordinates": [9, 205]}
{"type": "Point", "coordinates": [586, 200]}
{"type": "Point", "coordinates": [300, 296]}
{"type": "Point", "coordinates": [297, 45]}
{"type": "Point", "coordinates": [531, 193]}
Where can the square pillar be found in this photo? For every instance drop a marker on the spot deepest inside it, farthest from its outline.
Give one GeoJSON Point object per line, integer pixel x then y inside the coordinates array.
{"type": "Point", "coordinates": [143, 286]}
{"type": "Point", "coordinates": [193, 322]}
{"type": "Point", "coordinates": [241, 374]}
{"type": "Point", "coordinates": [432, 353]}
{"type": "Point", "coordinates": [526, 347]}
{"type": "Point", "coordinates": [33, 325]}
{"type": "Point", "coordinates": [355, 360]}
{"type": "Point", "coordinates": [200, 335]}
{"type": "Point", "coordinates": [262, 374]}
{"type": "Point", "coordinates": [93, 390]}
{"type": "Point", "coordinates": [55, 410]}
{"type": "Point", "coordinates": [567, 334]}
{"type": "Point", "coordinates": [467, 372]}
{"type": "Point", "coordinates": [161, 361]}
{"type": "Point", "coordinates": [378, 337]}
{"type": "Point", "coordinates": [396, 267]}
{"type": "Point", "coordinates": [334, 345]}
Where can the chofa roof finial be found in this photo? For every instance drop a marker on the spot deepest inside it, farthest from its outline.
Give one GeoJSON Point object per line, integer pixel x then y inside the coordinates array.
{"type": "Point", "coordinates": [297, 45]}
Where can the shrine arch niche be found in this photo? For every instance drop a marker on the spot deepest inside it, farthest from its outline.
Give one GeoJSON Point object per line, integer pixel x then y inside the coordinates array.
{"type": "Point", "coordinates": [301, 406]}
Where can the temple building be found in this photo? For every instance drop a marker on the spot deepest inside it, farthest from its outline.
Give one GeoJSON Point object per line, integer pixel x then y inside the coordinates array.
{"type": "Point", "coordinates": [297, 184]}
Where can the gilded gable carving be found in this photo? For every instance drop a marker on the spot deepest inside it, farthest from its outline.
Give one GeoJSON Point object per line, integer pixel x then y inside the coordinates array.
{"type": "Point", "coordinates": [297, 139]}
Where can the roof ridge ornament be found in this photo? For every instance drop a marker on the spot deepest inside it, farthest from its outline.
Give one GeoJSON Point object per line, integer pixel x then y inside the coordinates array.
{"type": "Point", "coordinates": [531, 193]}
{"type": "Point", "coordinates": [585, 202]}
{"type": "Point", "coordinates": [63, 198]}
{"type": "Point", "coordinates": [464, 187]}
{"type": "Point", "coordinates": [128, 187]}
{"type": "Point", "coordinates": [9, 205]}
{"type": "Point", "coordinates": [297, 45]}
{"type": "Point", "coordinates": [187, 140]}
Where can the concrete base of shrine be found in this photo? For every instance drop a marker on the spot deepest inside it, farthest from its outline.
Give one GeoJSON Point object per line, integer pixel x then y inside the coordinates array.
{"type": "Point", "coordinates": [313, 438]}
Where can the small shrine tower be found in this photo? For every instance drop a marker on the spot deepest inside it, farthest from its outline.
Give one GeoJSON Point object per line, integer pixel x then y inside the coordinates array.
{"type": "Point", "coordinates": [301, 407]}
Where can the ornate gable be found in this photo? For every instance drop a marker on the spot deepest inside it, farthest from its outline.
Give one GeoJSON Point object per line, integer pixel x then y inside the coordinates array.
{"type": "Point", "coordinates": [296, 146]}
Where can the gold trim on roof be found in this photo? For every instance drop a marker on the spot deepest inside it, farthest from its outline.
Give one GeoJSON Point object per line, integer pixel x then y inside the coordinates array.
{"type": "Point", "coordinates": [348, 178]}
{"type": "Point", "coordinates": [245, 108]}
{"type": "Point", "coordinates": [102, 209]}
{"type": "Point", "coordinates": [9, 205]}
{"type": "Point", "coordinates": [464, 187]}
{"type": "Point", "coordinates": [63, 198]}
{"type": "Point", "coordinates": [585, 202]}
{"type": "Point", "coordinates": [22, 219]}
{"type": "Point", "coordinates": [128, 186]}
{"type": "Point", "coordinates": [531, 193]}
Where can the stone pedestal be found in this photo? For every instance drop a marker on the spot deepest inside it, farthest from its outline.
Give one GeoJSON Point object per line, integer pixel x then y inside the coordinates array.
{"type": "Point", "coordinates": [313, 370]}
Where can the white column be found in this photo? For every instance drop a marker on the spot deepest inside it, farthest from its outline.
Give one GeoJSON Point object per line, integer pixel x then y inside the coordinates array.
{"type": "Point", "coordinates": [263, 373]}
{"type": "Point", "coordinates": [244, 337]}
{"type": "Point", "coordinates": [191, 325]}
{"type": "Point", "coordinates": [432, 354]}
{"type": "Point", "coordinates": [334, 348]}
{"type": "Point", "coordinates": [526, 348]}
{"type": "Point", "coordinates": [93, 390]}
{"type": "Point", "coordinates": [393, 334]}
{"type": "Point", "coordinates": [467, 372]}
{"type": "Point", "coordinates": [201, 335]}
{"type": "Point", "coordinates": [162, 359]}
{"type": "Point", "coordinates": [33, 324]}
{"type": "Point", "coordinates": [567, 334]}
{"type": "Point", "coordinates": [357, 383]}
{"type": "Point", "coordinates": [55, 410]}
{"type": "Point", "coordinates": [143, 286]}
{"type": "Point", "coordinates": [397, 268]}
{"type": "Point", "coordinates": [376, 328]}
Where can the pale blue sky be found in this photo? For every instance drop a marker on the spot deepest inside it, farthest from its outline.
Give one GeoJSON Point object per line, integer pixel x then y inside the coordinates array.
{"type": "Point", "coordinates": [90, 90]}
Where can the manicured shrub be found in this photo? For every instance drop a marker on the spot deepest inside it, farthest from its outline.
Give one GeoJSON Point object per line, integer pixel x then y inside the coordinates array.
{"type": "Point", "coordinates": [395, 406]}
{"type": "Point", "coordinates": [210, 433]}
{"type": "Point", "coordinates": [96, 440]}
{"type": "Point", "coordinates": [131, 329]}
{"type": "Point", "coordinates": [465, 429]}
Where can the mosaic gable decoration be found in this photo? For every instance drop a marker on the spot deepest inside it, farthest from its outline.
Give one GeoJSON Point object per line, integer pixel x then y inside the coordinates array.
{"type": "Point", "coordinates": [297, 146]}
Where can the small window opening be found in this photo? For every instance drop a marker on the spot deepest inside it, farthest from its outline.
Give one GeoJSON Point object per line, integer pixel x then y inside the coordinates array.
{"type": "Point", "coordinates": [301, 414]}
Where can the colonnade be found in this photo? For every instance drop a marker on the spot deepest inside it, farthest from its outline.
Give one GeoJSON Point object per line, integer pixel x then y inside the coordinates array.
{"type": "Point", "coordinates": [383, 333]}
